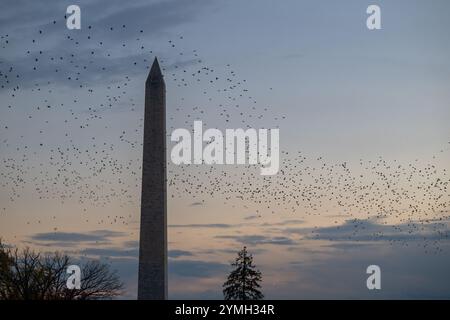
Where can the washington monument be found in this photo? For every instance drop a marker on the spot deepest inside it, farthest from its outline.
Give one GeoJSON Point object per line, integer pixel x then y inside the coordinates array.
{"type": "Point", "coordinates": [152, 282]}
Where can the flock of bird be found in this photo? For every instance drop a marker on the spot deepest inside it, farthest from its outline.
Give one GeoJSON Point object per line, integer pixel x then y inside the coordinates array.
{"type": "Point", "coordinates": [411, 199]}
{"type": "Point", "coordinates": [61, 140]}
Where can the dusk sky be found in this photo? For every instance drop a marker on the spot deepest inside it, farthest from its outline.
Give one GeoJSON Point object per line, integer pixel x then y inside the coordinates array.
{"type": "Point", "coordinates": [364, 138]}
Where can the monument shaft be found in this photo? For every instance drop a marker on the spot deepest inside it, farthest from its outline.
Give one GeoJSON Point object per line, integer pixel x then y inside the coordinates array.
{"type": "Point", "coordinates": [152, 282]}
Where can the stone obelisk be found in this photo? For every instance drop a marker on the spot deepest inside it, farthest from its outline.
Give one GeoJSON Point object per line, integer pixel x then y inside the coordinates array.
{"type": "Point", "coordinates": [152, 282]}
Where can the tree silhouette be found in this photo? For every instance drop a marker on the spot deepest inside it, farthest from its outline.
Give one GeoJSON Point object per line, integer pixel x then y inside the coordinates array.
{"type": "Point", "coordinates": [243, 281]}
{"type": "Point", "coordinates": [27, 275]}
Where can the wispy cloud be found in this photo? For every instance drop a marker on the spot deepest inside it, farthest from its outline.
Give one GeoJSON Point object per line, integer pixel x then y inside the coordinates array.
{"type": "Point", "coordinates": [206, 225]}
{"type": "Point", "coordinates": [196, 268]}
{"type": "Point", "coordinates": [283, 223]}
{"type": "Point", "coordinates": [111, 252]}
{"type": "Point", "coordinates": [259, 239]}
{"type": "Point", "coordinates": [61, 237]}
{"type": "Point", "coordinates": [193, 204]}
{"type": "Point", "coordinates": [179, 253]}
{"type": "Point", "coordinates": [368, 230]}
{"type": "Point", "coordinates": [252, 217]}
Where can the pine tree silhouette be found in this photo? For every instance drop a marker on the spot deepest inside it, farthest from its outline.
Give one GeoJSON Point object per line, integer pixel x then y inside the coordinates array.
{"type": "Point", "coordinates": [243, 281]}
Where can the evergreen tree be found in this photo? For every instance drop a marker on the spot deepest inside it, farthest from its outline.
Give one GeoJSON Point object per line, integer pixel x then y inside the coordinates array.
{"type": "Point", "coordinates": [243, 281]}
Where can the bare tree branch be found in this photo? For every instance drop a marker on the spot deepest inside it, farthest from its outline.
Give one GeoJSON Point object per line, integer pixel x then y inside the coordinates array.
{"type": "Point", "coordinates": [27, 275]}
